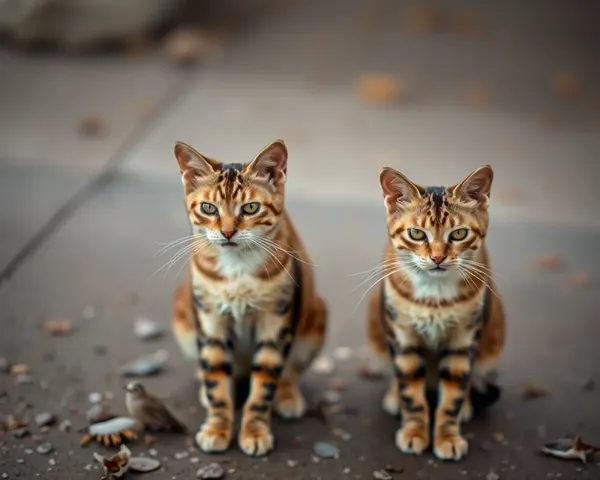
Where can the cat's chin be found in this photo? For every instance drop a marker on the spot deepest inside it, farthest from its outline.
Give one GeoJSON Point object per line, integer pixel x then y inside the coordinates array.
{"type": "Point", "coordinates": [438, 273]}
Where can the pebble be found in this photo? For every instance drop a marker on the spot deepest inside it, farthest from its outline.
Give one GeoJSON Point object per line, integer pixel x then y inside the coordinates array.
{"type": "Point", "coordinates": [194, 460]}
{"type": "Point", "coordinates": [292, 463]}
{"type": "Point", "coordinates": [381, 475]}
{"type": "Point", "coordinates": [28, 451]}
{"type": "Point", "coordinates": [20, 432]}
{"type": "Point", "coordinates": [343, 353]}
{"type": "Point", "coordinates": [181, 455]}
{"type": "Point", "coordinates": [98, 412]}
{"type": "Point", "coordinates": [20, 460]}
{"type": "Point", "coordinates": [65, 426]}
{"type": "Point", "coordinates": [95, 397]}
{"type": "Point", "coordinates": [347, 470]}
{"type": "Point", "coordinates": [146, 365]}
{"type": "Point", "coordinates": [88, 312]}
{"type": "Point", "coordinates": [492, 476]}
{"type": "Point", "coordinates": [143, 464]}
{"type": "Point", "coordinates": [52, 462]}
{"type": "Point", "coordinates": [322, 365]}
{"type": "Point", "coordinates": [24, 379]}
{"type": "Point", "coordinates": [326, 450]}
{"type": "Point", "coordinates": [5, 475]}
{"type": "Point", "coordinates": [45, 419]}
{"type": "Point", "coordinates": [44, 448]}
{"type": "Point", "coordinates": [332, 396]}
{"type": "Point", "coordinates": [214, 470]}
{"type": "Point", "coordinates": [146, 329]}
{"type": "Point", "coordinates": [153, 452]}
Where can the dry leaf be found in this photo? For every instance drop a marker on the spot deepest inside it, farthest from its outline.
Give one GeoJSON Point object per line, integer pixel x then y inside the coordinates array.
{"type": "Point", "coordinates": [19, 369]}
{"type": "Point", "coordinates": [187, 45]}
{"type": "Point", "coordinates": [58, 327]}
{"type": "Point", "coordinates": [566, 84]}
{"type": "Point", "coordinates": [379, 89]}
{"type": "Point", "coordinates": [477, 95]}
{"type": "Point", "coordinates": [547, 261]}
{"type": "Point", "coordinates": [91, 127]}
{"type": "Point", "coordinates": [578, 279]}
{"type": "Point", "coordinates": [533, 391]}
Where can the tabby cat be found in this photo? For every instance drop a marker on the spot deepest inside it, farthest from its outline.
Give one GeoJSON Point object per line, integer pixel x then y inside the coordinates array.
{"type": "Point", "coordinates": [436, 313]}
{"type": "Point", "coordinates": [249, 307]}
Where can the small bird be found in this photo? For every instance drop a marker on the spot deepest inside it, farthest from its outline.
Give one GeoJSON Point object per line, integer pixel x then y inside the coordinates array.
{"type": "Point", "coordinates": [150, 410]}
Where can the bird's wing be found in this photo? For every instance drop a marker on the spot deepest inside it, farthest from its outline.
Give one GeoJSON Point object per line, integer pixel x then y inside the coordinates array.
{"type": "Point", "coordinates": [159, 414]}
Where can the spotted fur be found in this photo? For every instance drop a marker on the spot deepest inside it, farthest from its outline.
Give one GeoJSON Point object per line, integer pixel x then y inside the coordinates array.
{"type": "Point", "coordinates": [249, 307]}
{"type": "Point", "coordinates": [436, 315]}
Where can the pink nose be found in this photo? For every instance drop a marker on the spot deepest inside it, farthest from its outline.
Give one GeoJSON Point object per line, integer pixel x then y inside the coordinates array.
{"type": "Point", "coordinates": [228, 233]}
{"type": "Point", "coordinates": [438, 260]}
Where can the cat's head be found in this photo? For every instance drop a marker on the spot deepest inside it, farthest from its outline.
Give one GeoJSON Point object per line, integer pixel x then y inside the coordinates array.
{"type": "Point", "coordinates": [234, 205]}
{"type": "Point", "coordinates": [437, 230]}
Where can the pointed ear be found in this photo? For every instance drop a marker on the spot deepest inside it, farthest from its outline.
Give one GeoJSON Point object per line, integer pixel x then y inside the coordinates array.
{"type": "Point", "coordinates": [397, 189]}
{"type": "Point", "coordinates": [193, 165]}
{"type": "Point", "coordinates": [476, 187]}
{"type": "Point", "coordinates": [270, 164]}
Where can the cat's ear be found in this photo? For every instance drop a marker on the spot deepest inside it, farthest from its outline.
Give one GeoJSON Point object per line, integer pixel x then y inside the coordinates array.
{"type": "Point", "coordinates": [476, 187]}
{"type": "Point", "coordinates": [193, 165]}
{"type": "Point", "coordinates": [397, 189]}
{"type": "Point", "coordinates": [270, 165]}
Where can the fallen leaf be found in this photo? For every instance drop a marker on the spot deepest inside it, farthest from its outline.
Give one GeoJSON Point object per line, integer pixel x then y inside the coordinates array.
{"type": "Point", "coordinates": [566, 84]}
{"type": "Point", "coordinates": [570, 449]}
{"type": "Point", "coordinates": [92, 127]}
{"type": "Point", "coordinates": [477, 95]}
{"type": "Point", "coordinates": [58, 327]}
{"type": "Point", "coordinates": [578, 279]}
{"type": "Point", "coordinates": [533, 391]}
{"type": "Point", "coordinates": [19, 369]}
{"type": "Point", "coordinates": [379, 89]}
{"type": "Point", "coordinates": [392, 469]}
{"type": "Point", "coordinates": [547, 261]}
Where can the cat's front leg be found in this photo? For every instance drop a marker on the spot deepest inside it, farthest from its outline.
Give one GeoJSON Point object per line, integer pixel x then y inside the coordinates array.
{"type": "Point", "coordinates": [454, 373]}
{"type": "Point", "coordinates": [410, 369]}
{"type": "Point", "coordinates": [255, 436]}
{"type": "Point", "coordinates": [215, 359]}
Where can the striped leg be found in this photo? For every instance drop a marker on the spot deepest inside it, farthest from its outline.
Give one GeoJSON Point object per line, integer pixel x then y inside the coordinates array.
{"type": "Point", "coordinates": [454, 380]}
{"type": "Point", "coordinates": [409, 367]}
{"type": "Point", "coordinates": [215, 360]}
{"type": "Point", "coordinates": [255, 437]}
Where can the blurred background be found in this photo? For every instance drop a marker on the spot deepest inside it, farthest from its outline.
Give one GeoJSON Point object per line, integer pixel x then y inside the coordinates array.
{"type": "Point", "coordinates": [94, 93]}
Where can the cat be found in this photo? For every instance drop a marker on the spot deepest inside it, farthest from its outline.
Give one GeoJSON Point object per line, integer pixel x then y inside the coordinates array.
{"type": "Point", "coordinates": [436, 314]}
{"type": "Point", "coordinates": [249, 308]}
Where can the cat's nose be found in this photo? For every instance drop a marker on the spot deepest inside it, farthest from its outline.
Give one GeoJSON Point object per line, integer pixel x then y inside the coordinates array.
{"type": "Point", "coordinates": [437, 260]}
{"type": "Point", "coordinates": [228, 233]}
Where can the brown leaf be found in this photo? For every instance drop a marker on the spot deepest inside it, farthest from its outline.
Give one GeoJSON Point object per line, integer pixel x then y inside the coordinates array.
{"type": "Point", "coordinates": [380, 89]}
{"type": "Point", "coordinates": [533, 391]}
{"type": "Point", "coordinates": [566, 84]}
{"type": "Point", "coordinates": [477, 95]}
{"type": "Point", "coordinates": [578, 279]}
{"type": "Point", "coordinates": [92, 127]}
{"type": "Point", "coordinates": [547, 261]}
{"type": "Point", "coordinates": [58, 327]}
{"type": "Point", "coordinates": [19, 369]}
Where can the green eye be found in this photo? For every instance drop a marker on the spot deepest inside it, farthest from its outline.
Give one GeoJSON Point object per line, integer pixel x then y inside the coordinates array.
{"type": "Point", "coordinates": [459, 234]}
{"type": "Point", "coordinates": [208, 208]}
{"type": "Point", "coordinates": [416, 234]}
{"type": "Point", "coordinates": [250, 208]}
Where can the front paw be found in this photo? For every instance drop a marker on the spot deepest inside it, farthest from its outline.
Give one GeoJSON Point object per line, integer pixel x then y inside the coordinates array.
{"type": "Point", "coordinates": [256, 439]}
{"type": "Point", "coordinates": [213, 438]}
{"type": "Point", "coordinates": [412, 439]}
{"type": "Point", "coordinates": [450, 447]}
{"type": "Point", "coordinates": [289, 402]}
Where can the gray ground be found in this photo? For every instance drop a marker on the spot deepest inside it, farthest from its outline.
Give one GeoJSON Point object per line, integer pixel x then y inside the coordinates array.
{"type": "Point", "coordinates": [82, 219]}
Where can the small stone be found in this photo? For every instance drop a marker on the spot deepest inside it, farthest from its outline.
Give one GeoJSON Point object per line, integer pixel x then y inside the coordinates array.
{"type": "Point", "coordinates": [37, 438]}
{"type": "Point", "coordinates": [58, 327]}
{"type": "Point", "coordinates": [99, 412]}
{"type": "Point", "coordinates": [338, 432]}
{"type": "Point", "coordinates": [45, 419]}
{"type": "Point", "coordinates": [28, 451]}
{"type": "Point", "coordinates": [181, 455]}
{"type": "Point", "coordinates": [326, 450]}
{"type": "Point", "coordinates": [146, 329]}
{"type": "Point", "coordinates": [292, 463]}
{"type": "Point", "coordinates": [143, 464]}
{"type": "Point", "coordinates": [533, 391]}
{"type": "Point", "coordinates": [44, 448]}
{"type": "Point", "coordinates": [20, 461]}
{"type": "Point", "coordinates": [213, 470]}
{"type": "Point", "coordinates": [347, 470]}
{"type": "Point", "coordinates": [89, 312]}
{"type": "Point", "coordinates": [20, 432]}
{"type": "Point", "coordinates": [194, 460]}
{"type": "Point", "coordinates": [65, 426]}
{"type": "Point", "coordinates": [342, 353]}
{"type": "Point", "coordinates": [492, 476]}
{"type": "Point", "coordinates": [24, 379]}
{"type": "Point", "coordinates": [381, 475]}
{"type": "Point", "coordinates": [88, 467]}
{"type": "Point", "coordinates": [52, 462]}
{"type": "Point", "coordinates": [95, 397]}
{"type": "Point", "coordinates": [5, 475]}
{"type": "Point", "coordinates": [146, 365]}
{"type": "Point", "coordinates": [153, 452]}
{"type": "Point", "coordinates": [331, 396]}
{"type": "Point", "coordinates": [323, 366]}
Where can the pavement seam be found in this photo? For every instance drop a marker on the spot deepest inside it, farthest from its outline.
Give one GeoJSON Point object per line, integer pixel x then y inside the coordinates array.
{"type": "Point", "coordinates": [105, 176]}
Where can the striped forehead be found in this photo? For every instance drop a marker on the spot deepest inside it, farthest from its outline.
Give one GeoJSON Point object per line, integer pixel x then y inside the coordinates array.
{"type": "Point", "coordinates": [230, 181]}
{"type": "Point", "coordinates": [436, 207]}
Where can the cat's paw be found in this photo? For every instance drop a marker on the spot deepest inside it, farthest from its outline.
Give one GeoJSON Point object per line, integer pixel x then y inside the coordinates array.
{"type": "Point", "coordinates": [450, 447]}
{"type": "Point", "coordinates": [213, 438]}
{"type": "Point", "coordinates": [289, 402]}
{"type": "Point", "coordinates": [412, 439]}
{"type": "Point", "coordinates": [391, 401]}
{"type": "Point", "coordinates": [256, 439]}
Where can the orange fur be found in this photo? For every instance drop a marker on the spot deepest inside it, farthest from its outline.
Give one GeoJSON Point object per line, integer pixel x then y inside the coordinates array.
{"type": "Point", "coordinates": [244, 284]}
{"type": "Point", "coordinates": [429, 321]}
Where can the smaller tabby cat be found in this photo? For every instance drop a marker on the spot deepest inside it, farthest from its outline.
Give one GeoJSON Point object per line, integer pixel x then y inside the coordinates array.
{"type": "Point", "coordinates": [249, 307]}
{"type": "Point", "coordinates": [436, 313]}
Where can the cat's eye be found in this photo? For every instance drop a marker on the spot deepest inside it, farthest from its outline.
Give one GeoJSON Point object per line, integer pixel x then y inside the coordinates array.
{"type": "Point", "coordinates": [460, 234]}
{"type": "Point", "coordinates": [208, 208]}
{"type": "Point", "coordinates": [250, 208]}
{"type": "Point", "coordinates": [416, 234]}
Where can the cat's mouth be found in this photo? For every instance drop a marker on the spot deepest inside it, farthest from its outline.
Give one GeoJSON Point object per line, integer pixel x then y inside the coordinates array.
{"type": "Point", "coordinates": [229, 244]}
{"type": "Point", "coordinates": [438, 271]}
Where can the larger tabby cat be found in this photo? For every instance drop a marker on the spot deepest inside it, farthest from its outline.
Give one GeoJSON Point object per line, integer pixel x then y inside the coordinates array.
{"type": "Point", "coordinates": [436, 312]}
{"type": "Point", "coordinates": [249, 307]}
